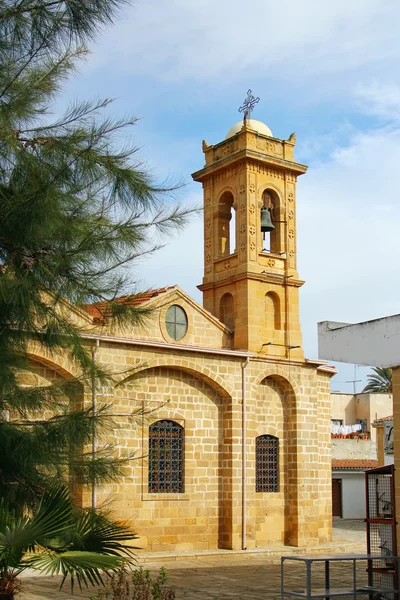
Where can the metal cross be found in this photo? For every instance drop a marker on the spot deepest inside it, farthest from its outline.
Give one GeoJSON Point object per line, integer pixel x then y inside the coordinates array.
{"type": "Point", "coordinates": [248, 105]}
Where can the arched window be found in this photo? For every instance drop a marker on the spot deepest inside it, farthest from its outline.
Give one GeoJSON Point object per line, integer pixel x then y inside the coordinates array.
{"type": "Point", "coordinates": [165, 457]}
{"type": "Point", "coordinates": [267, 463]}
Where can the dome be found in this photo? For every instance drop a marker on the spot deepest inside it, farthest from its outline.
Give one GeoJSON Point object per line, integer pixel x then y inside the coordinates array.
{"type": "Point", "coordinates": [253, 124]}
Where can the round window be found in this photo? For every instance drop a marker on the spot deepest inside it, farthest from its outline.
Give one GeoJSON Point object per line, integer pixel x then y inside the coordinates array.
{"type": "Point", "coordinates": [176, 322]}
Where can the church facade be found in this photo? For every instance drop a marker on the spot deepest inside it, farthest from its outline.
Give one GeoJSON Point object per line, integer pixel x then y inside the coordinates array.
{"type": "Point", "coordinates": [225, 425]}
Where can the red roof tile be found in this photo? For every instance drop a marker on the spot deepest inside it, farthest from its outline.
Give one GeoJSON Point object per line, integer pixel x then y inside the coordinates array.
{"type": "Point", "coordinates": [382, 419]}
{"type": "Point", "coordinates": [99, 310]}
{"type": "Point", "coordinates": [361, 464]}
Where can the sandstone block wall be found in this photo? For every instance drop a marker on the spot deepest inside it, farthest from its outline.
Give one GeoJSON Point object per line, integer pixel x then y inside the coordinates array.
{"type": "Point", "coordinates": [203, 393]}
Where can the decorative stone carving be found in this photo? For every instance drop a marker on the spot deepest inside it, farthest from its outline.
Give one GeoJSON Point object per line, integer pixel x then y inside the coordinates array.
{"type": "Point", "coordinates": [291, 214]}
{"type": "Point", "coordinates": [271, 262]}
{"type": "Point", "coordinates": [242, 189]}
{"type": "Point", "coordinates": [252, 188]}
{"type": "Point", "coordinates": [291, 234]}
{"type": "Point", "coordinates": [227, 174]}
{"type": "Point", "coordinates": [228, 149]}
{"type": "Point", "coordinates": [290, 196]}
{"type": "Point", "coordinates": [243, 229]}
{"type": "Point", "coordinates": [252, 230]}
{"type": "Point", "coordinates": [269, 171]}
{"type": "Point", "coordinates": [291, 253]}
{"type": "Point", "coordinates": [261, 143]}
{"type": "Point", "coordinates": [252, 246]}
{"type": "Point", "coordinates": [252, 209]}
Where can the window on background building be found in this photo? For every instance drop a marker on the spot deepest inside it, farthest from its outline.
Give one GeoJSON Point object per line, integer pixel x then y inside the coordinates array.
{"type": "Point", "coordinates": [363, 423]}
{"type": "Point", "coordinates": [267, 463]}
{"type": "Point", "coordinates": [165, 457]}
{"type": "Point", "coordinates": [337, 422]}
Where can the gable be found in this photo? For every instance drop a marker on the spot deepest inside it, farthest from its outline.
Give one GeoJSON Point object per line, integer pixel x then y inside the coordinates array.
{"type": "Point", "coordinates": [203, 329]}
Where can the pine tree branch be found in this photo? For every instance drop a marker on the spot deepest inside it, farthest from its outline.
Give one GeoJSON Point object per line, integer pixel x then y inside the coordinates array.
{"type": "Point", "coordinates": [18, 11]}
{"type": "Point", "coordinates": [32, 56]}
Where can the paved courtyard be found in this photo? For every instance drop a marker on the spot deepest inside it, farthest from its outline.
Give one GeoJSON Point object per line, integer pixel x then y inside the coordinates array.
{"type": "Point", "coordinates": [224, 575]}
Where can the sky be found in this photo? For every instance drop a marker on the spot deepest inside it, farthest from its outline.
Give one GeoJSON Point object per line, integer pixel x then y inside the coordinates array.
{"type": "Point", "coordinates": [326, 70]}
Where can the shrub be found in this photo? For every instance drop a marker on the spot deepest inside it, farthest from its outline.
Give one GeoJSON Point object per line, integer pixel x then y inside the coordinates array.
{"type": "Point", "coordinates": [138, 585]}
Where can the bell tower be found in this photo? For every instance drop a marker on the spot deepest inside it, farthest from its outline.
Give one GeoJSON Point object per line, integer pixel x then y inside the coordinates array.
{"type": "Point", "coordinates": [250, 278]}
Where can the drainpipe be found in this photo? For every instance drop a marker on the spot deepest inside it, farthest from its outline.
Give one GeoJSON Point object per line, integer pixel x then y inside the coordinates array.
{"type": "Point", "coordinates": [244, 440]}
{"type": "Point", "coordinates": [94, 408]}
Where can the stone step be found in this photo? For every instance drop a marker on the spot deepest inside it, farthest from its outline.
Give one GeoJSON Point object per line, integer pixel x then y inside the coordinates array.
{"type": "Point", "coordinates": [272, 554]}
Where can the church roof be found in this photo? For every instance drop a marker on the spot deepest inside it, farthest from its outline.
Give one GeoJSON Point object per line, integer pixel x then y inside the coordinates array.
{"type": "Point", "coordinates": [99, 310]}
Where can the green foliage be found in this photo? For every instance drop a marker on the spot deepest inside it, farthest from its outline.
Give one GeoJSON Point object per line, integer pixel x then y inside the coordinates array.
{"type": "Point", "coordinates": [57, 541]}
{"type": "Point", "coordinates": [137, 585]}
{"type": "Point", "coordinates": [76, 208]}
{"type": "Point", "coordinates": [380, 381]}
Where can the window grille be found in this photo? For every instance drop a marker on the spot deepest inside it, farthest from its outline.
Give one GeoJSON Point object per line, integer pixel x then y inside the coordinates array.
{"type": "Point", "coordinates": [165, 457]}
{"type": "Point", "coordinates": [267, 463]}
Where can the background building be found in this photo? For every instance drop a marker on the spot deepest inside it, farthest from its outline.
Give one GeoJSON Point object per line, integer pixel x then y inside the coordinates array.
{"type": "Point", "coordinates": [354, 451]}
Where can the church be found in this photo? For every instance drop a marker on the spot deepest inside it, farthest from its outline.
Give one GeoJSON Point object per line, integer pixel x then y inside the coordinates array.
{"type": "Point", "coordinates": [226, 422]}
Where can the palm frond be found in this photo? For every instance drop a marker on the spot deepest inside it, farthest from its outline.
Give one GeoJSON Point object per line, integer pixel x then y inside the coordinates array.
{"type": "Point", "coordinates": [86, 567]}
{"type": "Point", "coordinates": [94, 532]}
{"type": "Point", "coordinates": [380, 381]}
{"type": "Point", "coordinates": [52, 517]}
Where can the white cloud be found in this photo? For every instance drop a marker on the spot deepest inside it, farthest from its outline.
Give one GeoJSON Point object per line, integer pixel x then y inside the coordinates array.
{"type": "Point", "coordinates": [381, 99]}
{"type": "Point", "coordinates": [348, 225]}
{"type": "Point", "coordinates": [204, 40]}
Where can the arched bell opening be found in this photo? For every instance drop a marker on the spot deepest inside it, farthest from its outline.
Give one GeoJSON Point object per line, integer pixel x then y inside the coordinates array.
{"type": "Point", "coordinates": [226, 225]}
{"type": "Point", "coordinates": [271, 223]}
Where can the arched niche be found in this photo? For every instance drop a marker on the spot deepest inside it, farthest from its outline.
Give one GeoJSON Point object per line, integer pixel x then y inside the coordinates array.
{"type": "Point", "coordinates": [273, 241]}
{"type": "Point", "coordinates": [67, 395]}
{"type": "Point", "coordinates": [273, 311]}
{"type": "Point", "coordinates": [226, 225]}
{"type": "Point", "coordinates": [227, 311]}
{"type": "Point", "coordinates": [201, 405]}
{"type": "Point", "coordinates": [279, 401]}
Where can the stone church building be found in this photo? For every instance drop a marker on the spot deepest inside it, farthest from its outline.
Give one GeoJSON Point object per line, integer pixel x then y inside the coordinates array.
{"type": "Point", "coordinates": [229, 423]}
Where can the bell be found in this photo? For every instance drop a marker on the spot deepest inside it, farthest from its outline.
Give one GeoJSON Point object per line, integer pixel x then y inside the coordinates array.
{"type": "Point", "coordinates": [266, 223]}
